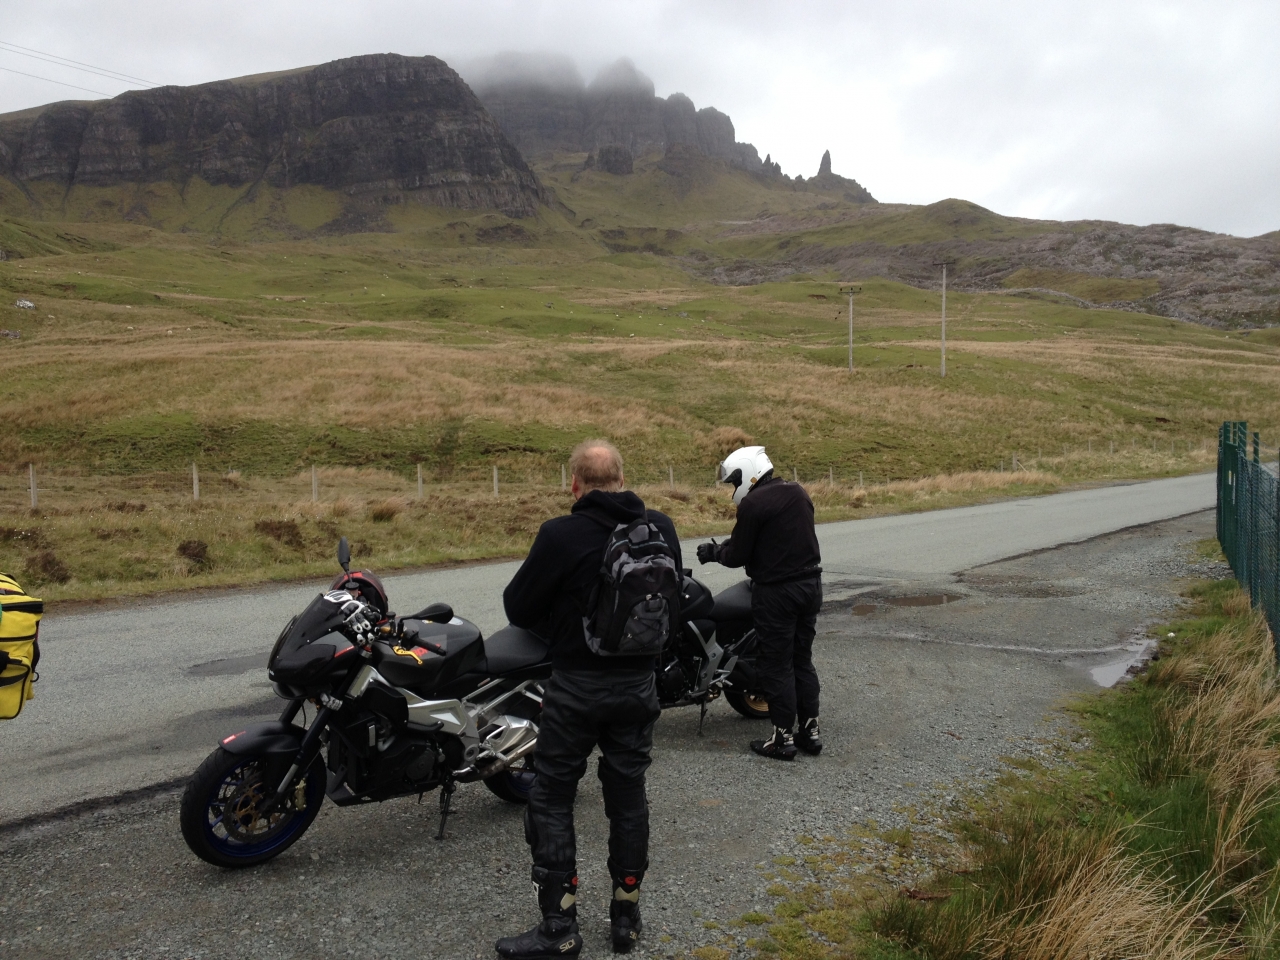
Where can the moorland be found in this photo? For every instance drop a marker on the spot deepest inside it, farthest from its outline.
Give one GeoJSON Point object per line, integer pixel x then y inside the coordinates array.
{"type": "Point", "coordinates": [236, 330]}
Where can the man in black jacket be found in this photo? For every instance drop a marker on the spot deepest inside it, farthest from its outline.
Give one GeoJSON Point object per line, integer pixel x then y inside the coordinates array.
{"type": "Point", "coordinates": [590, 700]}
{"type": "Point", "coordinates": [775, 539]}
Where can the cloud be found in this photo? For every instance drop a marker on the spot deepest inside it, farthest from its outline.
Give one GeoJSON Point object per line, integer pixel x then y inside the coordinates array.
{"type": "Point", "coordinates": [1147, 111]}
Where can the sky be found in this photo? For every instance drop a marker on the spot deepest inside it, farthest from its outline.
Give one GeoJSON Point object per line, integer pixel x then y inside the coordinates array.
{"type": "Point", "coordinates": [1130, 110]}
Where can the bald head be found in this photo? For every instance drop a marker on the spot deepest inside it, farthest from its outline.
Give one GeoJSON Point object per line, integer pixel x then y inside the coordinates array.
{"type": "Point", "coordinates": [595, 465]}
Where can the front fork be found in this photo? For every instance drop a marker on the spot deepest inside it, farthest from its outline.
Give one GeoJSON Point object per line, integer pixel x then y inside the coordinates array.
{"type": "Point", "coordinates": [291, 711]}
{"type": "Point", "coordinates": [307, 750]}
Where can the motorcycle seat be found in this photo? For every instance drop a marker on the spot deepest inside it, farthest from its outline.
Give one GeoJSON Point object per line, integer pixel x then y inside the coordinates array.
{"type": "Point", "coordinates": [733, 603]}
{"type": "Point", "coordinates": [513, 648]}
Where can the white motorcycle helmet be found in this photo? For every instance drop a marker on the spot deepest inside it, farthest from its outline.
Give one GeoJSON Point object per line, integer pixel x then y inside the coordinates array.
{"type": "Point", "coordinates": [743, 468]}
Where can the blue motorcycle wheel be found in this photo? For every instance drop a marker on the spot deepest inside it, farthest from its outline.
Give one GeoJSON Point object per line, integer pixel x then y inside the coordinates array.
{"type": "Point", "coordinates": [221, 816]}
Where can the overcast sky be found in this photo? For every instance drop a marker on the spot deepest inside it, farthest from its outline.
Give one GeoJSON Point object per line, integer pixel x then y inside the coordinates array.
{"type": "Point", "coordinates": [1130, 110]}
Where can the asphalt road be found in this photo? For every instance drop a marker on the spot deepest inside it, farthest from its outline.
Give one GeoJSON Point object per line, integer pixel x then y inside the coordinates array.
{"type": "Point", "coordinates": [920, 702]}
{"type": "Point", "coordinates": [137, 694]}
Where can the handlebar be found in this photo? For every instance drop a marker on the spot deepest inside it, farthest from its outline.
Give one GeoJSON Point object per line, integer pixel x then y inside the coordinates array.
{"type": "Point", "coordinates": [412, 635]}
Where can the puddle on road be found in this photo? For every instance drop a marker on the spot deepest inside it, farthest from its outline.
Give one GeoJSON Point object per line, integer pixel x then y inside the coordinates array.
{"type": "Point", "coordinates": [1109, 674]}
{"type": "Point", "coordinates": [924, 600]}
{"type": "Point", "coordinates": [915, 600]}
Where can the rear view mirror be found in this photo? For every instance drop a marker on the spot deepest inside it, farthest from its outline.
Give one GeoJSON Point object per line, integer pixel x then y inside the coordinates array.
{"type": "Point", "coordinates": [436, 613]}
{"type": "Point", "coordinates": [344, 555]}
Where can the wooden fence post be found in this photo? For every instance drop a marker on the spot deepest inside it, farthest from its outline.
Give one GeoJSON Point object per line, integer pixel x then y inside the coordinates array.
{"type": "Point", "coordinates": [31, 476]}
{"type": "Point", "coordinates": [195, 482]}
{"type": "Point", "coordinates": [315, 485]}
{"type": "Point", "coordinates": [419, 481]}
{"type": "Point", "coordinates": [495, 479]}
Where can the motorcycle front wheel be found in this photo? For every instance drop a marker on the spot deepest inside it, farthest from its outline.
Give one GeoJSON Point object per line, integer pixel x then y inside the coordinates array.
{"type": "Point", "coordinates": [222, 818]}
{"type": "Point", "coordinates": [750, 705]}
{"type": "Point", "coordinates": [514, 783]}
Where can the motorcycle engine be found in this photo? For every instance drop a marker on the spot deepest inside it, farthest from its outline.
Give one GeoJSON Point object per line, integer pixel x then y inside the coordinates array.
{"type": "Point", "coordinates": [421, 766]}
{"type": "Point", "coordinates": [673, 681]}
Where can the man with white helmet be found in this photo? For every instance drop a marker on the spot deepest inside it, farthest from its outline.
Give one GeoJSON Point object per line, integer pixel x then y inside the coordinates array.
{"type": "Point", "coordinates": [774, 538]}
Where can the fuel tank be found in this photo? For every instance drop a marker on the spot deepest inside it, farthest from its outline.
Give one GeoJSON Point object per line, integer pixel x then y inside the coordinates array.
{"type": "Point", "coordinates": [406, 663]}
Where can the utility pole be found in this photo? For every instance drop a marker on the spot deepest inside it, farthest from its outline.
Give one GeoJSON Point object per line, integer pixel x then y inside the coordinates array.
{"type": "Point", "coordinates": [944, 264]}
{"type": "Point", "coordinates": [850, 291]}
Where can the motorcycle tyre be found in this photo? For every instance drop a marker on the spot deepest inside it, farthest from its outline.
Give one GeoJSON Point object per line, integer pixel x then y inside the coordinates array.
{"type": "Point", "coordinates": [512, 785]}
{"type": "Point", "coordinates": [751, 706]}
{"type": "Point", "coordinates": [208, 777]}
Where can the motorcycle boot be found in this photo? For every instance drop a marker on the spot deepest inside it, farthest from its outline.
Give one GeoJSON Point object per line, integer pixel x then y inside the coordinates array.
{"type": "Point", "coordinates": [809, 737]}
{"type": "Point", "coordinates": [624, 909]}
{"type": "Point", "coordinates": [780, 746]}
{"type": "Point", "coordinates": [557, 935]}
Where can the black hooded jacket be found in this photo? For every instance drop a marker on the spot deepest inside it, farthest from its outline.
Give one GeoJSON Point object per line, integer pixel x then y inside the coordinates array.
{"type": "Point", "coordinates": [550, 591]}
{"type": "Point", "coordinates": [774, 537]}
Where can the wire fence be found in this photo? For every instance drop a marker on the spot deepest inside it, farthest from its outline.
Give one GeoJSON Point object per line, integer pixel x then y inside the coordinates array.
{"type": "Point", "coordinates": [1249, 517]}
{"type": "Point", "coordinates": [31, 486]}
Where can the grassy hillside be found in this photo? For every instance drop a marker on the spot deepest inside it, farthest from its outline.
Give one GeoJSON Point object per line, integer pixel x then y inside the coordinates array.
{"type": "Point", "coordinates": [464, 341]}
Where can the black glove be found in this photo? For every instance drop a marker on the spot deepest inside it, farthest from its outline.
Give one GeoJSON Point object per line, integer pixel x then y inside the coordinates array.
{"type": "Point", "coordinates": [709, 552]}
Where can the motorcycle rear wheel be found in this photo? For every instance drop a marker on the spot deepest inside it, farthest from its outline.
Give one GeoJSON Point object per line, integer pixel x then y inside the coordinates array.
{"type": "Point", "coordinates": [220, 818]}
{"type": "Point", "coordinates": [750, 705]}
{"type": "Point", "coordinates": [514, 783]}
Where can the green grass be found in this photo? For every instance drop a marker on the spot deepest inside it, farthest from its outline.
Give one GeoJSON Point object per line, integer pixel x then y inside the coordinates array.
{"type": "Point", "coordinates": [1083, 285]}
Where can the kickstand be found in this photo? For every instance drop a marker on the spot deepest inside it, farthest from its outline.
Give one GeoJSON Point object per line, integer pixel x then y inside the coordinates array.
{"type": "Point", "coordinates": [446, 798]}
{"type": "Point", "coordinates": [702, 715]}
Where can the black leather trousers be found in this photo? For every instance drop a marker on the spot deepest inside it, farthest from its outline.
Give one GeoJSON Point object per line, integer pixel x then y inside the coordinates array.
{"type": "Point", "coordinates": [785, 616]}
{"type": "Point", "coordinates": [581, 710]}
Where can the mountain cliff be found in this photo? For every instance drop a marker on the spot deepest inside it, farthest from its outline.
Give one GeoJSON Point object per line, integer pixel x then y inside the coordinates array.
{"type": "Point", "coordinates": [383, 127]}
{"type": "Point", "coordinates": [543, 106]}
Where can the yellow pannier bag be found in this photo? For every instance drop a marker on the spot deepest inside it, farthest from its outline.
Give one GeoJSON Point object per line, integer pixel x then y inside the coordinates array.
{"type": "Point", "coordinates": [19, 646]}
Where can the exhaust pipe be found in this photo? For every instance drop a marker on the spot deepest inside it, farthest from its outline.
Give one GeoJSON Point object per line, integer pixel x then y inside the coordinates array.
{"type": "Point", "coordinates": [501, 762]}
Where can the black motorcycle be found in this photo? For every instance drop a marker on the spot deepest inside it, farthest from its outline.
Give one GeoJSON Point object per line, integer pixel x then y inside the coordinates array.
{"type": "Point", "coordinates": [403, 705]}
{"type": "Point", "coordinates": [713, 653]}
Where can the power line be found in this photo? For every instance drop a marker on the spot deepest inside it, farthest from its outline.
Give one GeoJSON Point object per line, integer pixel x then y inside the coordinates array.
{"type": "Point", "coordinates": [101, 71]}
{"type": "Point", "coordinates": [57, 63]}
{"type": "Point", "coordinates": [62, 82]}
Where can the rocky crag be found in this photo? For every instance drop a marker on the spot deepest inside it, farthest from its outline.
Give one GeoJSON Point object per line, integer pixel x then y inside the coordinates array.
{"type": "Point", "coordinates": [1173, 271]}
{"type": "Point", "coordinates": [544, 107]}
{"type": "Point", "coordinates": [826, 181]}
{"type": "Point", "coordinates": [383, 127]}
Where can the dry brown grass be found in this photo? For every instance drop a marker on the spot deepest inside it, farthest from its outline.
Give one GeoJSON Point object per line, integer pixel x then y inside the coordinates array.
{"type": "Point", "coordinates": [387, 510]}
{"type": "Point", "coordinates": [841, 498]}
{"type": "Point", "coordinates": [727, 439]}
{"type": "Point", "coordinates": [1226, 724]}
{"type": "Point", "coordinates": [1102, 903]}
{"type": "Point", "coordinates": [107, 536]}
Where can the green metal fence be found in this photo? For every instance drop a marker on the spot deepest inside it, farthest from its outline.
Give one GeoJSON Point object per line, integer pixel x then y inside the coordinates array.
{"type": "Point", "coordinates": [1249, 518]}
